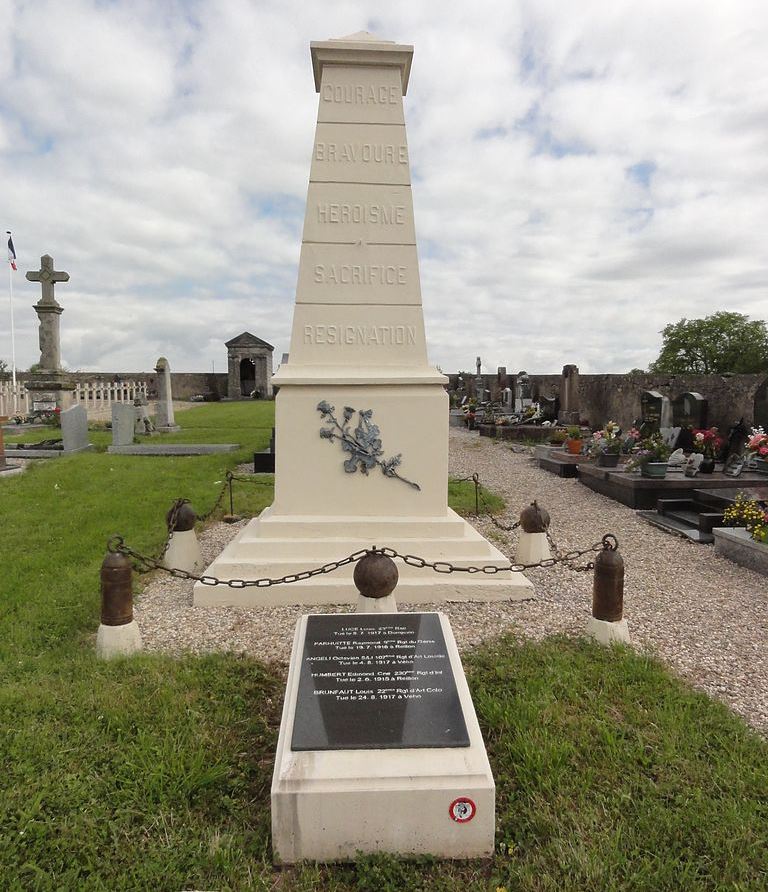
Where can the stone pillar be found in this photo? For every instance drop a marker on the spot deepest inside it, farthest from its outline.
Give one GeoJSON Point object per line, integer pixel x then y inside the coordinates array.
{"type": "Point", "coordinates": [569, 396]}
{"type": "Point", "coordinates": [165, 418]}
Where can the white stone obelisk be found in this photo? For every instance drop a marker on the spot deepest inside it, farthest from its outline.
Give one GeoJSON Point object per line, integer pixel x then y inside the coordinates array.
{"type": "Point", "coordinates": [358, 345]}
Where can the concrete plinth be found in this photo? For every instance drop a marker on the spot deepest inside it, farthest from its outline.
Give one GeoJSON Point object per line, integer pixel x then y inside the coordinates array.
{"type": "Point", "coordinates": [608, 633]}
{"type": "Point", "coordinates": [118, 641]}
{"type": "Point", "coordinates": [376, 605]}
{"type": "Point", "coordinates": [328, 805]}
{"type": "Point", "coordinates": [532, 548]}
{"type": "Point", "coordinates": [184, 552]}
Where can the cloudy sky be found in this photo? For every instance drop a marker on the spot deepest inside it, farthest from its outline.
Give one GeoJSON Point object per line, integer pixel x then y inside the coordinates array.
{"type": "Point", "coordinates": [583, 173]}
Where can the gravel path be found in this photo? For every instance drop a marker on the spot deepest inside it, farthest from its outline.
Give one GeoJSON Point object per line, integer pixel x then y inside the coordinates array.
{"type": "Point", "coordinates": [702, 615]}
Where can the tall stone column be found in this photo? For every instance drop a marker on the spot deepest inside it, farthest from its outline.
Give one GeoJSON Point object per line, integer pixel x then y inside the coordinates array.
{"type": "Point", "coordinates": [361, 416]}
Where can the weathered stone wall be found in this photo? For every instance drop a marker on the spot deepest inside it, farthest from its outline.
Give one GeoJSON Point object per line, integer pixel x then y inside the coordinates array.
{"type": "Point", "coordinates": [604, 398]}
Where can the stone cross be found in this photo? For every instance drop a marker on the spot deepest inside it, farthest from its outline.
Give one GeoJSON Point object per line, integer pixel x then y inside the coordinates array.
{"type": "Point", "coordinates": [48, 312]}
{"type": "Point", "coordinates": [47, 276]}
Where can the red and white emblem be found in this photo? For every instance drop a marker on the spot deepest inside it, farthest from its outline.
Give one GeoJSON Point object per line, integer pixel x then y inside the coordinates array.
{"type": "Point", "coordinates": [462, 810]}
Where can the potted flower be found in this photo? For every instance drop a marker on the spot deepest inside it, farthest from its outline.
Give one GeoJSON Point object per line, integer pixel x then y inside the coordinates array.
{"type": "Point", "coordinates": [651, 458]}
{"type": "Point", "coordinates": [606, 444]}
{"type": "Point", "coordinates": [573, 442]}
{"type": "Point", "coordinates": [557, 437]}
{"type": "Point", "coordinates": [708, 443]}
{"type": "Point", "coordinates": [757, 447]}
{"type": "Point", "coordinates": [748, 513]}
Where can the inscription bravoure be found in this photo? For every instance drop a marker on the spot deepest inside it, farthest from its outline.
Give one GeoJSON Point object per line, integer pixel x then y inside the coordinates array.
{"type": "Point", "coordinates": [359, 274]}
{"type": "Point", "coordinates": [366, 152]}
{"type": "Point", "coordinates": [363, 335]}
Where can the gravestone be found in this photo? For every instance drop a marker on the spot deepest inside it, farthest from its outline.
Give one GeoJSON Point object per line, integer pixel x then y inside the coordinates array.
{"type": "Point", "coordinates": [142, 422]}
{"type": "Point", "coordinates": [569, 395]}
{"type": "Point", "coordinates": [689, 410]}
{"type": "Point", "coordinates": [651, 411]}
{"type": "Point", "coordinates": [49, 385]}
{"type": "Point", "coordinates": [74, 429]}
{"type": "Point", "coordinates": [522, 391]}
{"type": "Point", "coordinates": [361, 415]}
{"type": "Point", "coordinates": [4, 465]}
{"type": "Point", "coordinates": [123, 424]}
{"type": "Point", "coordinates": [378, 719]}
{"type": "Point", "coordinates": [164, 417]}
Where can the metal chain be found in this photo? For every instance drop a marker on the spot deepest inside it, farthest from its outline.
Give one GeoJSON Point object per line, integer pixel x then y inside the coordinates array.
{"type": "Point", "coordinates": [172, 521]}
{"type": "Point", "coordinates": [116, 545]}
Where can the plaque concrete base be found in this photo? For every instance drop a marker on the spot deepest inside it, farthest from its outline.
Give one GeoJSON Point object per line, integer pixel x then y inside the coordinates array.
{"type": "Point", "coordinates": [273, 546]}
{"type": "Point", "coordinates": [328, 805]}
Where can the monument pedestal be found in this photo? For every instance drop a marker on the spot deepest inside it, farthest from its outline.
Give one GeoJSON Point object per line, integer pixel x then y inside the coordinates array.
{"type": "Point", "coordinates": [51, 389]}
{"type": "Point", "coordinates": [379, 747]}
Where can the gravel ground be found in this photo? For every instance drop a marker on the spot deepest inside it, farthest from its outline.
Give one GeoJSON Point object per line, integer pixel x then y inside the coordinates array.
{"type": "Point", "coordinates": [704, 616]}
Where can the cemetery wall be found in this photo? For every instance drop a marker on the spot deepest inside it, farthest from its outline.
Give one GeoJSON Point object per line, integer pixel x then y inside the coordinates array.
{"type": "Point", "coordinates": [617, 397]}
{"type": "Point", "coordinates": [184, 384]}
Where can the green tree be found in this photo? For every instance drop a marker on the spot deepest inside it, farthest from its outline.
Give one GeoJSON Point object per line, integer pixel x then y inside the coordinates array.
{"type": "Point", "coordinates": [3, 366]}
{"type": "Point", "coordinates": [722, 342]}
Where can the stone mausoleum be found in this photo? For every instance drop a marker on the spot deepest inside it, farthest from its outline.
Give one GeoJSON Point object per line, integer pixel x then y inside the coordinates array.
{"type": "Point", "coordinates": [249, 363]}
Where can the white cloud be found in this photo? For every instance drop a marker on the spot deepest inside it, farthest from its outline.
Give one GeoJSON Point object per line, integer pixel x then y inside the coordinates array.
{"type": "Point", "coordinates": [583, 173]}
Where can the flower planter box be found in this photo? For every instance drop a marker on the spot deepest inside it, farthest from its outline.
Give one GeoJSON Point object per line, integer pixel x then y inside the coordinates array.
{"type": "Point", "coordinates": [608, 460]}
{"type": "Point", "coordinates": [655, 469]}
{"type": "Point", "coordinates": [738, 546]}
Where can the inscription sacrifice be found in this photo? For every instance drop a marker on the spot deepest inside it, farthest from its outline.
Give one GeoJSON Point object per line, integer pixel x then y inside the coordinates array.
{"type": "Point", "coordinates": [364, 335]}
{"type": "Point", "coordinates": [359, 274]}
{"type": "Point", "coordinates": [377, 682]}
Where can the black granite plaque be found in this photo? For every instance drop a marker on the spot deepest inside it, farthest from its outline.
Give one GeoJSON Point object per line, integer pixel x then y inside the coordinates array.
{"type": "Point", "coordinates": [376, 682]}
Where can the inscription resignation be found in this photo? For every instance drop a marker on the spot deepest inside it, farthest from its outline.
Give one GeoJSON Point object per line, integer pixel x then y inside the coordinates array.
{"type": "Point", "coordinates": [363, 335]}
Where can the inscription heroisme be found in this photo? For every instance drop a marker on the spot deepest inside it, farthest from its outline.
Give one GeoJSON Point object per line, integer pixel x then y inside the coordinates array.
{"type": "Point", "coordinates": [366, 152]}
{"type": "Point", "coordinates": [361, 335]}
{"type": "Point", "coordinates": [377, 214]}
{"type": "Point", "coordinates": [359, 274]}
{"type": "Point", "coordinates": [360, 94]}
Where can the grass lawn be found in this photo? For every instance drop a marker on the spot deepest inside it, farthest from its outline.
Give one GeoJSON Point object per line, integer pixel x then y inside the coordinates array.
{"type": "Point", "coordinates": [154, 773]}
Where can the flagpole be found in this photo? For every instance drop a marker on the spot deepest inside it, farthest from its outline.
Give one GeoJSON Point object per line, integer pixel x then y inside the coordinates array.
{"type": "Point", "coordinates": [13, 339]}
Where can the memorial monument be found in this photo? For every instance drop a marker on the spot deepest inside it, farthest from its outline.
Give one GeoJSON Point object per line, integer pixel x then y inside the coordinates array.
{"type": "Point", "coordinates": [361, 416]}
{"type": "Point", "coordinates": [51, 387]}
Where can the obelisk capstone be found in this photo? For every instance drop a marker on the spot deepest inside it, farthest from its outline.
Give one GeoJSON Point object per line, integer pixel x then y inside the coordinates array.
{"type": "Point", "coordinates": [361, 416]}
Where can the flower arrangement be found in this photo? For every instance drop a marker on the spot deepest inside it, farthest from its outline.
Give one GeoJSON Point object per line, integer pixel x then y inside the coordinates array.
{"type": "Point", "coordinates": [757, 445]}
{"type": "Point", "coordinates": [631, 440]}
{"type": "Point", "coordinates": [606, 441]}
{"type": "Point", "coordinates": [574, 432]}
{"type": "Point", "coordinates": [652, 449]}
{"type": "Point", "coordinates": [708, 442]}
{"type": "Point", "coordinates": [748, 513]}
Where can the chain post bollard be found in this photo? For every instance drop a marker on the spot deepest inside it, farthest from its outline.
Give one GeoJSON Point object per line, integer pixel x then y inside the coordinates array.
{"type": "Point", "coordinates": [231, 517]}
{"type": "Point", "coordinates": [118, 633]}
{"type": "Point", "coordinates": [375, 577]}
{"type": "Point", "coordinates": [532, 545]}
{"type": "Point", "coordinates": [182, 550]}
{"type": "Point", "coordinates": [607, 624]}
{"type": "Point", "coordinates": [476, 481]}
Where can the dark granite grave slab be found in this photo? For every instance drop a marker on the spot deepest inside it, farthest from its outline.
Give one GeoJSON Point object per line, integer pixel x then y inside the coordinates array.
{"type": "Point", "coordinates": [561, 463]}
{"type": "Point", "coordinates": [517, 432]}
{"type": "Point", "coordinates": [641, 492]}
{"type": "Point", "coordinates": [377, 681]}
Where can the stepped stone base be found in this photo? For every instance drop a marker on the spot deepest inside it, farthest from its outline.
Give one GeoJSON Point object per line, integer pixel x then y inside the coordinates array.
{"type": "Point", "coordinates": [274, 546]}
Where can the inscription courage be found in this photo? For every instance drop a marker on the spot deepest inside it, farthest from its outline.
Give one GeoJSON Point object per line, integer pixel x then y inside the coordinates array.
{"type": "Point", "coordinates": [360, 95]}
{"type": "Point", "coordinates": [367, 152]}
{"type": "Point", "coordinates": [365, 335]}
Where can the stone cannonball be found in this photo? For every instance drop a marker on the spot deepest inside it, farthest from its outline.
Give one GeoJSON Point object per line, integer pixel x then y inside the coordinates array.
{"type": "Point", "coordinates": [534, 519]}
{"type": "Point", "coordinates": [375, 576]}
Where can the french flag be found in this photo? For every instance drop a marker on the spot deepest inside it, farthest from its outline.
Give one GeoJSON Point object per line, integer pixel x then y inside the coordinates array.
{"type": "Point", "coordinates": [11, 251]}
